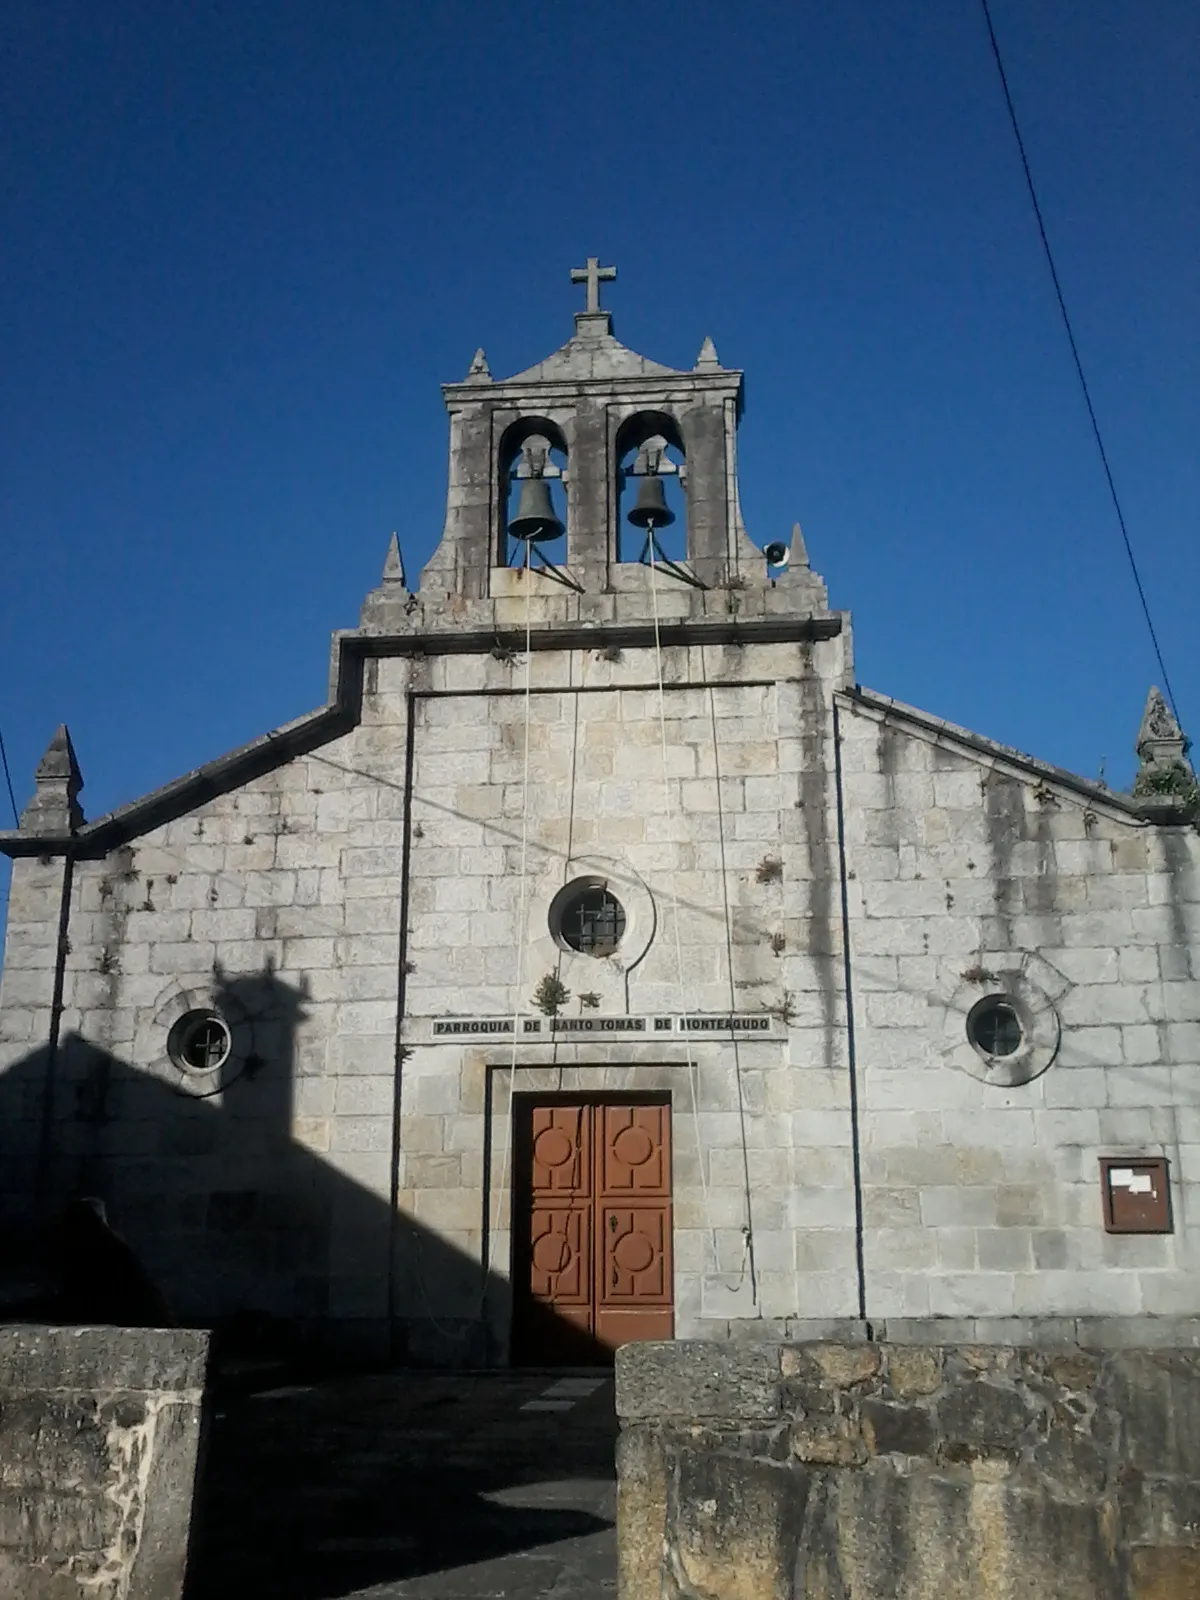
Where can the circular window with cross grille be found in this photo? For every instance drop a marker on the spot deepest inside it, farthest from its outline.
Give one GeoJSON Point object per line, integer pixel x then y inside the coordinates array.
{"type": "Point", "coordinates": [994, 1026]}
{"type": "Point", "coordinates": [200, 1042]}
{"type": "Point", "coordinates": [586, 916]}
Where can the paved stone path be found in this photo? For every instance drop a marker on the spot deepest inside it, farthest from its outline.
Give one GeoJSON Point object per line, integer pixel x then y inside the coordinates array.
{"type": "Point", "coordinates": [412, 1485]}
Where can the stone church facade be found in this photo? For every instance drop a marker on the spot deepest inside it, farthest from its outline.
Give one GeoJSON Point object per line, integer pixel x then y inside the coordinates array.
{"type": "Point", "coordinates": [602, 962]}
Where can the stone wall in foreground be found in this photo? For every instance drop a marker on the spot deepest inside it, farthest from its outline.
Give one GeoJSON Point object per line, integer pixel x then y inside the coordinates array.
{"type": "Point", "coordinates": [863, 1471]}
{"type": "Point", "coordinates": [99, 1439]}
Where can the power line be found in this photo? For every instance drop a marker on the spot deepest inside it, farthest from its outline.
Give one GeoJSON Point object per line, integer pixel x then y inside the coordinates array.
{"type": "Point", "coordinates": [12, 799]}
{"type": "Point", "coordinates": [1083, 383]}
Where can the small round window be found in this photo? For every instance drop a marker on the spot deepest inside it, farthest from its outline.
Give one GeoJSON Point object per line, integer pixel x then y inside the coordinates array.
{"type": "Point", "coordinates": [994, 1027]}
{"type": "Point", "coordinates": [200, 1042]}
{"type": "Point", "coordinates": [588, 917]}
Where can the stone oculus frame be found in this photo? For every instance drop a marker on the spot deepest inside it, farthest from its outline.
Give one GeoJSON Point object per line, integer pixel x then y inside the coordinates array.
{"type": "Point", "coordinates": [1135, 1194]}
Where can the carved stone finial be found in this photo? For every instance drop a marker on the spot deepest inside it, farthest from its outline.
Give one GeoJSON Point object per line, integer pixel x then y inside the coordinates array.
{"type": "Point", "coordinates": [393, 566]}
{"type": "Point", "coordinates": [479, 371]}
{"type": "Point", "coordinates": [55, 805]}
{"type": "Point", "coordinates": [707, 361]}
{"type": "Point", "coordinates": [1159, 735]}
{"type": "Point", "coordinates": [799, 555]}
{"type": "Point", "coordinates": [1165, 786]}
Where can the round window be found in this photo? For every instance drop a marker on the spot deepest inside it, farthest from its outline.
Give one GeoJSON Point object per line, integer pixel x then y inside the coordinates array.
{"type": "Point", "coordinates": [586, 916]}
{"type": "Point", "coordinates": [200, 1042]}
{"type": "Point", "coordinates": [994, 1026]}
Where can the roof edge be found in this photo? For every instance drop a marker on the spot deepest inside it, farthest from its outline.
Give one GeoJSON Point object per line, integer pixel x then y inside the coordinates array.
{"type": "Point", "coordinates": [342, 712]}
{"type": "Point", "coordinates": [730, 378]}
{"type": "Point", "coordinates": [978, 744]}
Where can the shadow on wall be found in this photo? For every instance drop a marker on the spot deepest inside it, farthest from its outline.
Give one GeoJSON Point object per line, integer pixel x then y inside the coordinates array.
{"type": "Point", "coordinates": [244, 1229]}
{"type": "Point", "coordinates": [250, 1232]}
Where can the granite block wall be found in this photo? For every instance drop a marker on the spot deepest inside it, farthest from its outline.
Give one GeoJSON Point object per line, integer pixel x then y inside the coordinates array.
{"type": "Point", "coordinates": [907, 1472]}
{"type": "Point", "coordinates": [351, 1166]}
{"type": "Point", "coordinates": [981, 1197]}
{"type": "Point", "coordinates": [100, 1434]}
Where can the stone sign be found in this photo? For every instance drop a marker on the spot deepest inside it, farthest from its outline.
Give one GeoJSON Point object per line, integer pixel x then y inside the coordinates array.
{"type": "Point", "coordinates": [550, 1027]}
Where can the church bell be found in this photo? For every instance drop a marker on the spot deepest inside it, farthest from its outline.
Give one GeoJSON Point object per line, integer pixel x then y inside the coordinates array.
{"type": "Point", "coordinates": [651, 509]}
{"type": "Point", "coordinates": [535, 520]}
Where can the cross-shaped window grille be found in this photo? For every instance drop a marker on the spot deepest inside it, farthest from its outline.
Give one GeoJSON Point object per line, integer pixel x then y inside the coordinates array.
{"type": "Point", "coordinates": [205, 1045]}
{"type": "Point", "coordinates": [593, 922]}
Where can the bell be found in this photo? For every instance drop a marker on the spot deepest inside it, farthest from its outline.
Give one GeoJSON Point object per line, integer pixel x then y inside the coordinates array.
{"type": "Point", "coordinates": [651, 509]}
{"type": "Point", "coordinates": [535, 519]}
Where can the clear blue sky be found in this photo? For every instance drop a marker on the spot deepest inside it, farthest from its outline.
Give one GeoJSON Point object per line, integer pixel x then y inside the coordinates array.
{"type": "Point", "coordinates": [244, 242]}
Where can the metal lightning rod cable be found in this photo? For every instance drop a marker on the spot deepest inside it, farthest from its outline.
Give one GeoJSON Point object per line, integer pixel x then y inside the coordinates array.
{"type": "Point", "coordinates": [1083, 383]}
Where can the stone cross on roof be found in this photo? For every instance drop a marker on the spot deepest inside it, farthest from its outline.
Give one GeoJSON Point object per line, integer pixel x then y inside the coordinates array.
{"type": "Point", "coordinates": [593, 275]}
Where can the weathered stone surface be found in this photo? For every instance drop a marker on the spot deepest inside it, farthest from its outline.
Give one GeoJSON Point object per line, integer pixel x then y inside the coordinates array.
{"type": "Point", "coordinates": [845, 1367]}
{"type": "Point", "coordinates": [1002, 1473]}
{"type": "Point", "coordinates": [981, 1420]}
{"type": "Point", "coordinates": [1170, 1572]}
{"type": "Point", "coordinates": [99, 1437]}
{"type": "Point", "coordinates": [914, 1372]}
{"type": "Point", "coordinates": [831, 1446]}
{"type": "Point", "coordinates": [734, 1526]}
{"type": "Point", "coordinates": [641, 1510]}
{"type": "Point", "coordinates": [890, 1429]}
{"type": "Point", "coordinates": [695, 1379]}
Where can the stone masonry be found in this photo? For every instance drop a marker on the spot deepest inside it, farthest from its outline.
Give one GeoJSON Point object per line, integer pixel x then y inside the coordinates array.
{"type": "Point", "coordinates": [100, 1436]}
{"type": "Point", "coordinates": [926, 1472]}
{"type": "Point", "coordinates": [855, 875]}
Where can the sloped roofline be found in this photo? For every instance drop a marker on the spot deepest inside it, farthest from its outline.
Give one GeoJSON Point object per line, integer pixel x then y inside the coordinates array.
{"type": "Point", "coordinates": [885, 709]}
{"type": "Point", "coordinates": [343, 712]}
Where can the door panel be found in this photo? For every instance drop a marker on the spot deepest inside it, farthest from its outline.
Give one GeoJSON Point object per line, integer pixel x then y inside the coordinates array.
{"type": "Point", "coordinates": [562, 1150]}
{"type": "Point", "coordinates": [561, 1254]}
{"type": "Point", "coordinates": [591, 1227]}
{"type": "Point", "coordinates": [635, 1265]}
{"type": "Point", "coordinates": [636, 1155]}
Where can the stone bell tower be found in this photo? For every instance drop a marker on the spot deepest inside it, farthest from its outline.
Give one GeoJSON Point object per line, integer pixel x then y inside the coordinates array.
{"type": "Point", "coordinates": [590, 404]}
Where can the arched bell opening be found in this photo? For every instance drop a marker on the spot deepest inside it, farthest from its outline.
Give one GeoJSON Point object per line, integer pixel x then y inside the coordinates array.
{"type": "Point", "coordinates": [533, 495]}
{"type": "Point", "coordinates": [651, 471]}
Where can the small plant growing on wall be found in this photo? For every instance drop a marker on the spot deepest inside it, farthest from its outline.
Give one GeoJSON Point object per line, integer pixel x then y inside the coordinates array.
{"type": "Point", "coordinates": [589, 1001]}
{"type": "Point", "coordinates": [551, 995]}
{"type": "Point", "coordinates": [769, 870]}
{"type": "Point", "coordinates": [611, 652]}
{"type": "Point", "coordinates": [778, 944]}
{"type": "Point", "coordinates": [785, 1011]}
{"type": "Point", "coordinates": [978, 974]}
{"type": "Point", "coordinates": [1174, 781]}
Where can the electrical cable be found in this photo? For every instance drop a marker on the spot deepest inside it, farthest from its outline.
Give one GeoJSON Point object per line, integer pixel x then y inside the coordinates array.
{"type": "Point", "coordinates": [748, 1259]}
{"type": "Point", "coordinates": [494, 1215]}
{"type": "Point", "coordinates": [522, 932]}
{"type": "Point", "coordinates": [692, 1071]}
{"type": "Point", "coordinates": [12, 799]}
{"type": "Point", "coordinates": [1083, 383]}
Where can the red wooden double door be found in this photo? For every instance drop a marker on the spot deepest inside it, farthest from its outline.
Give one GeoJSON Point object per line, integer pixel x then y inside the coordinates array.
{"type": "Point", "coordinates": [591, 1226]}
